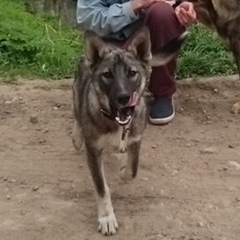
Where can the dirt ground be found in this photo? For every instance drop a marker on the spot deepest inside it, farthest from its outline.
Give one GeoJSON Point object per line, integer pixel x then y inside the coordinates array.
{"type": "Point", "coordinates": [188, 186]}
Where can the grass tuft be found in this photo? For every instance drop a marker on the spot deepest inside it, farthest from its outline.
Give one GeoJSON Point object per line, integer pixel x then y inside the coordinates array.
{"type": "Point", "coordinates": [204, 54]}
{"type": "Point", "coordinates": [45, 47]}
{"type": "Point", "coordinates": [35, 46]}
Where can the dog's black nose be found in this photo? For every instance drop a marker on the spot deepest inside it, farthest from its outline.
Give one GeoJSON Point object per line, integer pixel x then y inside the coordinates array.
{"type": "Point", "coordinates": [123, 98]}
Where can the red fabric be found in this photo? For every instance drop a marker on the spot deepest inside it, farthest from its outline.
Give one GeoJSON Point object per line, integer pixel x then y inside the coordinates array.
{"type": "Point", "coordinates": [163, 26]}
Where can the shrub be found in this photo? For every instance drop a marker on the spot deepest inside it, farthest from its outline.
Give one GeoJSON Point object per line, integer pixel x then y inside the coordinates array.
{"type": "Point", "coordinates": [44, 46]}
{"type": "Point", "coordinates": [35, 45]}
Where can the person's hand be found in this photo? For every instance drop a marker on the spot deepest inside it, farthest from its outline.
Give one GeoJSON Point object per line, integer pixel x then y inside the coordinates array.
{"type": "Point", "coordinates": [185, 13]}
{"type": "Point", "coordinates": [143, 4]}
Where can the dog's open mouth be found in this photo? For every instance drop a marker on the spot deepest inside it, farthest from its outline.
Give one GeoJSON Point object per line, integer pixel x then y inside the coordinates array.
{"type": "Point", "coordinates": [124, 115]}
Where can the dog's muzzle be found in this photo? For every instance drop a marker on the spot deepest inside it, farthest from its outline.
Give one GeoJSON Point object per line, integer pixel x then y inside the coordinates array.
{"type": "Point", "coordinates": [123, 115]}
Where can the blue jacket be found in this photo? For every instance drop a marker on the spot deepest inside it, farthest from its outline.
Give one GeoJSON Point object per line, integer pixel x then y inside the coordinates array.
{"type": "Point", "coordinates": [113, 19]}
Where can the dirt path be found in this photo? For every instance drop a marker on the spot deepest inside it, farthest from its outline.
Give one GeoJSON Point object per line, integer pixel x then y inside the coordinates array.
{"type": "Point", "coordinates": [188, 187]}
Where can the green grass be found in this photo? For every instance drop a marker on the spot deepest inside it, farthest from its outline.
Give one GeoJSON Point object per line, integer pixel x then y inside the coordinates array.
{"type": "Point", "coordinates": [34, 46]}
{"type": "Point", "coordinates": [44, 47]}
{"type": "Point", "coordinates": [203, 54]}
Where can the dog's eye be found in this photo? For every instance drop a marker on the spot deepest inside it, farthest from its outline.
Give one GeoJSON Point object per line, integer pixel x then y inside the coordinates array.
{"type": "Point", "coordinates": [132, 73]}
{"type": "Point", "coordinates": [107, 74]}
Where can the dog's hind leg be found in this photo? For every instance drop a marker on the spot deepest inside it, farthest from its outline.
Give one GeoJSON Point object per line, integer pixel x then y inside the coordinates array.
{"type": "Point", "coordinates": [107, 223]}
{"type": "Point", "coordinates": [129, 171]}
{"type": "Point", "coordinates": [77, 138]}
{"type": "Point", "coordinates": [235, 47]}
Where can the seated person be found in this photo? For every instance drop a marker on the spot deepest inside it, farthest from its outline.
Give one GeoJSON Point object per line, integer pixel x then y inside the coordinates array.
{"type": "Point", "coordinates": [118, 20]}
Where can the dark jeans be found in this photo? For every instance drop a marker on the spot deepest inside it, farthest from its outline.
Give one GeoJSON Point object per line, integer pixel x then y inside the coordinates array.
{"type": "Point", "coordinates": [163, 26]}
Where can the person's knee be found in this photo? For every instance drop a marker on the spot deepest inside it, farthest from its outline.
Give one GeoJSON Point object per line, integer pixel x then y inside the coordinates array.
{"type": "Point", "coordinates": [161, 13]}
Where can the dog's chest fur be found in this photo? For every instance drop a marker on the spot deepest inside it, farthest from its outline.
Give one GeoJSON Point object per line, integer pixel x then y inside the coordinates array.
{"type": "Point", "coordinates": [112, 139]}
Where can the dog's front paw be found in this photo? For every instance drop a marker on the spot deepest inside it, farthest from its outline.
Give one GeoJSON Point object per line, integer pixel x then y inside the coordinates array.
{"type": "Point", "coordinates": [126, 174]}
{"type": "Point", "coordinates": [236, 108]}
{"type": "Point", "coordinates": [107, 225]}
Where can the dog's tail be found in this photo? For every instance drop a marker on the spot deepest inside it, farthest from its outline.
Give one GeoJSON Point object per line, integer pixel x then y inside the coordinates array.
{"type": "Point", "coordinates": [163, 55]}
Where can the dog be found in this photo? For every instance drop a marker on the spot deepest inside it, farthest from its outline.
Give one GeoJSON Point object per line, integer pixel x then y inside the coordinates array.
{"type": "Point", "coordinates": [109, 107]}
{"type": "Point", "coordinates": [222, 16]}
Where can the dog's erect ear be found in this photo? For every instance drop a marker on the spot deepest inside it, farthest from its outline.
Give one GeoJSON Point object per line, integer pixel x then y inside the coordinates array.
{"type": "Point", "coordinates": [166, 53]}
{"type": "Point", "coordinates": [95, 48]}
{"type": "Point", "coordinates": [140, 45]}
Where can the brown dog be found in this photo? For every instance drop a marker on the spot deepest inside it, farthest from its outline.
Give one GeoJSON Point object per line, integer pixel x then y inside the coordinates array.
{"type": "Point", "coordinates": [223, 16]}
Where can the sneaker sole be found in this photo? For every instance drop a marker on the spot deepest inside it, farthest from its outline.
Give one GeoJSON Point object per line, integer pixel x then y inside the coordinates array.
{"type": "Point", "coordinates": [162, 121]}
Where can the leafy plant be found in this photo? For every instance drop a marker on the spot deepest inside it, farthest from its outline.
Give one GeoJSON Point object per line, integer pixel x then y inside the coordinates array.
{"type": "Point", "coordinates": [44, 46]}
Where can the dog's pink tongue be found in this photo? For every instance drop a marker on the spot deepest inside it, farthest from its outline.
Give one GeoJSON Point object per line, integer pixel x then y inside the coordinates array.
{"type": "Point", "coordinates": [134, 100]}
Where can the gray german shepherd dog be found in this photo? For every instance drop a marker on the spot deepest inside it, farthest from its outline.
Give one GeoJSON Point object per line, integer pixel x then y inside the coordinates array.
{"type": "Point", "coordinates": [109, 107]}
{"type": "Point", "coordinates": [222, 16]}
